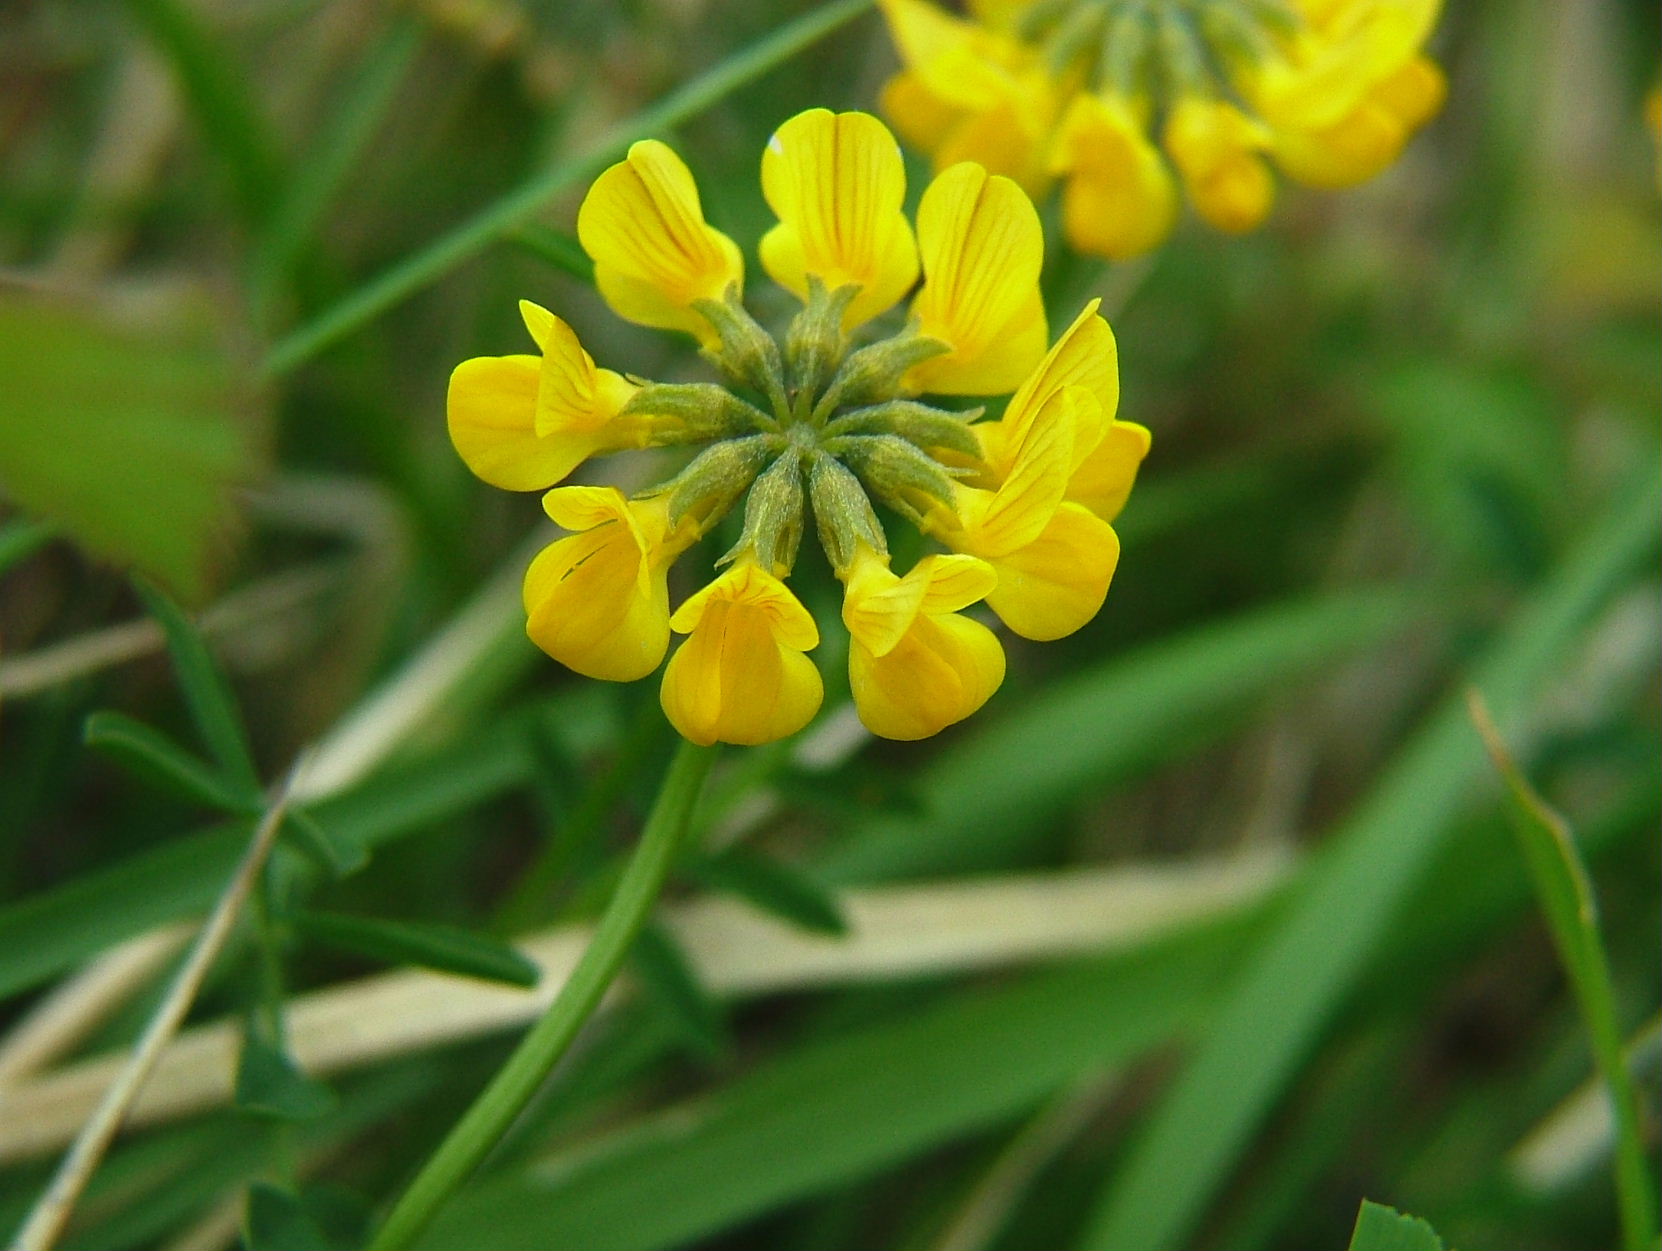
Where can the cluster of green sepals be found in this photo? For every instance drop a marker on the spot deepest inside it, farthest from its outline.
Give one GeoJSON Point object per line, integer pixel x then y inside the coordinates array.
{"type": "Point", "coordinates": [1156, 49]}
{"type": "Point", "coordinates": [818, 423]}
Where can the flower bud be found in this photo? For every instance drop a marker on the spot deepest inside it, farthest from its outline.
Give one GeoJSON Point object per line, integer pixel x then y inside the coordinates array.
{"type": "Point", "coordinates": [695, 412]}
{"type": "Point", "coordinates": [773, 516]}
{"type": "Point", "coordinates": [895, 470]}
{"type": "Point", "coordinates": [842, 513]}
{"type": "Point", "coordinates": [712, 483]}
{"type": "Point", "coordinates": [921, 425]}
{"type": "Point", "coordinates": [874, 372]}
{"type": "Point", "coordinates": [744, 351]}
{"type": "Point", "coordinates": [814, 343]}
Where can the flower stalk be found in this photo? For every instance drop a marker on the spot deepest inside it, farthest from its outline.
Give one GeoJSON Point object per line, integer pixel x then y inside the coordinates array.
{"type": "Point", "coordinates": [501, 1102]}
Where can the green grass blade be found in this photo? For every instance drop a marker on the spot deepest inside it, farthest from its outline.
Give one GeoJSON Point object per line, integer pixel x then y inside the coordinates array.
{"type": "Point", "coordinates": [1379, 1228]}
{"type": "Point", "coordinates": [212, 706]}
{"type": "Point", "coordinates": [557, 248]}
{"type": "Point", "coordinates": [1565, 892]}
{"type": "Point", "coordinates": [441, 947]}
{"type": "Point", "coordinates": [152, 755]}
{"type": "Point", "coordinates": [1103, 726]}
{"type": "Point", "coordinates": [518, 207]}
{"type": "Point", "coordinates": [786, 891]}
{"type": "Point", "coordinates": [1296, 980]}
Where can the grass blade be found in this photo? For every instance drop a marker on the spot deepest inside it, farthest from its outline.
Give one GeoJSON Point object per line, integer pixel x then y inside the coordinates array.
{"type": "Point", "coordinates": [785, 891]}
{"type": "Point", "coordinates": [1332, 928]}
{"type": "Point", "coordinates": [1566, 895]}
{"type": "Point", "coordinates": [440, 947]}
{"type": "Point", "coordinates": [516, 209]}
{"type": "Point", "coordinates": [154, 756]}
{"type": "Point", "coordinates": [212, 705]}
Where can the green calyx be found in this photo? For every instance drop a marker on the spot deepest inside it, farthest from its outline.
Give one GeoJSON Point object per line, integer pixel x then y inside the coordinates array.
{"type": "Point", "coordinates": [816, 422]}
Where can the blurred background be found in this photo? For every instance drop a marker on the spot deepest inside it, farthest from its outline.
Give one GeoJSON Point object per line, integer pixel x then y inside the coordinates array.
{"type": "Point", "coordinates": [1210, 925]}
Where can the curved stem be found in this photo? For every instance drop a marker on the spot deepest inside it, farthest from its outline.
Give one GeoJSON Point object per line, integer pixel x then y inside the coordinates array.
{"type": "Point", "coordinates": [483, 1125]}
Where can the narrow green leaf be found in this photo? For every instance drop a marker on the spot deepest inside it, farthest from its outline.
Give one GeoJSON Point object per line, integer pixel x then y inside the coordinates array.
{"type": "Point", "coordinates": [666, 975]}
{"type": "Point", "coordinates": [156, 758]}
{"type": "Point", "coordinates": [439, 947]}
{"type": "Point", "coordinates": [338, 857]}
{"type": "Point", "coordinates": [520, 205]}
{"type": "Point", "coordinates": [1336, 923]}
{"type": "Point", "coordinates": [276, 1220]}
{"type": "Point", "coordinates": [212, 706]}
{"type": "Point", "coordinates": [269, 1084]}
{"type": "Point", "coordinates": [789, 893]}
{"type": "Point", "coordinates": [1566, 894]}
{"type": "Point", "coordinates": [1379, 1228]}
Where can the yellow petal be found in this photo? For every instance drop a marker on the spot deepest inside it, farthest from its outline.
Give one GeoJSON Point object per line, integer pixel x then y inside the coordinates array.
{"type": "Point", "coordinates": [1086, 356]}
{"type": "Point", "coordinates": [953, 582]}
{"type": "Point", "coordinates": [1120, 199]}
{"type": "Point", "coordinates": [982, 248]}
{"type": "Point", "coordinates": [1056, 584]}
{"type": "Point", "coordinates": [837, 183]}
{"type": "Point", "coordinates": [654, 254]}
{"type": "Point", "coordinates": [491, 410]}
{"type": "Point", "coordinates": [1010, 137]}
{"type": "Point", "coordinates": [573, 396]}
{"type": "Point", "coordinates": [1415, 93]}
{"type": "Point", "coordinates": [1217, 150]}
{"type": "Point", "coordinates": [1350, 151]}
{"type": "Point", "coordinates": [943, 670]}
{"type": "Point", "coordinates": [1348, 49]}
{"type": "Point", "coordinates": [1103, 482]}
{"type": "Point", "coordinates": [741, 676]}
{"type": "Point", "coordinates": [999, 522]}
{"type": "Point", "coordinates": [597, 601]}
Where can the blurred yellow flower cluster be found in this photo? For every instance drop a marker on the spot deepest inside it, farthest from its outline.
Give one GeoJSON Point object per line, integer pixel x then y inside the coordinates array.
{"type": "Point", "coordinates": [816, 423]}
{"type": "Point", "coordinates": [1122, 100]}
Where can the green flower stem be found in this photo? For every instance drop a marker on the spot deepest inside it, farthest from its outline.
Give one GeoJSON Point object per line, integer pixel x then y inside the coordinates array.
{"type": "Point", "coordinates": [517, 1081]}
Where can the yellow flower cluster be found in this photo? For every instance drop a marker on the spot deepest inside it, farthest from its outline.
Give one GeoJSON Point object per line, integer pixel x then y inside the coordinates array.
{"type": "Point", "coordinates": [819, 422]}
{"type": "Point", "coordinates": [1089, 92]}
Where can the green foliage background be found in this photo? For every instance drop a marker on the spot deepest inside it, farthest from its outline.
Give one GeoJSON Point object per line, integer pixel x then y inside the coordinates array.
{"type": "Point", "coordinates": [1405, 437]}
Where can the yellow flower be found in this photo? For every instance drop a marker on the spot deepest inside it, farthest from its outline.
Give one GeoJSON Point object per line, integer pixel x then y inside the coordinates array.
{"type": "Point", "coordinates": [654, 255]}
{"type": "Point", "coordinates": [524, 423]}
{"type": "Point", "coordinates": [1054, 558]}
{"type": "Point", "coordinates": [982, 248]}
{"type": "Point", "coordinates": [915, 664]}
{"type": "Point", "coordinates": [598, 601]}
{"type": "Point", "coordinates": [1077, 91]}
{"type": "Point", "coordinates": [969, 92]}
{"type": "Point", "coordinates": [836, 183]}
{"type": "Point", "coordinates": [1218, 150]}
{"type": "Point", "coordinates": [1106, 451]}
{"type": "Point", "coordinates": [741, 676]}
{"type": "Point", "coordinates": [1119, 199]}
{"type": "Point", "coordinates": [817, 422]}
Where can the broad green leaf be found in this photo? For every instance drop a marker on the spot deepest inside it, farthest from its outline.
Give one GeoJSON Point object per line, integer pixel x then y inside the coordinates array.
{"type": "Point", "coordinates": [441, 947]}
{"type": "Point", "coordinates": [790, 893]}
{"type": "Point", "coordinates": [157, 759]}
{"type": "Point", "coordinates": [834, 1110]}
{"type": "Point", "coordinates": [1379, 1228]}
{"type": "Point", "coordinates": [994, 789]}
{"type": "Point", "coordinates": [669, 980]}
{"type": "Point", "coordinates": [1339, 919]}
{"type": "Point", "coordinates": [212, 706]}
{"type": "Point", "coordinates": [276, 1220]}
{"type": "Point", "coordinates": [1566, 894]}
{"type": "Point", "coordinates": [128, 438]}
{"type": "Point", "coordinates": [269, 1084]}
